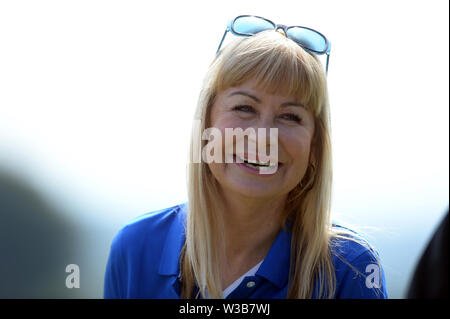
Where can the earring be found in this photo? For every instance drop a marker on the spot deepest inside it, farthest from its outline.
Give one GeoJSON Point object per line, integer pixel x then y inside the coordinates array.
{"type": "Point", "coordinates": [313, 171]}
{"type": "Point", "coordinates": [313, 168]}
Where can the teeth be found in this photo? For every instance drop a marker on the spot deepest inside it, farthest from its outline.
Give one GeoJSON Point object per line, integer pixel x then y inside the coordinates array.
{"type": "Point", "coordinates": [263, 168]}
{"type": "Point", "coordinates": [268, 164]}
{"type": "Point", "coordinates": [251, 165]}
{"type": "Point", "coordinates": [271, 169]}
{"type": "Point", "coordinates": [268, 169]}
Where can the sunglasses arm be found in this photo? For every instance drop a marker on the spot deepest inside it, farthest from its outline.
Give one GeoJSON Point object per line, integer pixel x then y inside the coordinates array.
{"type": "Point", "coordinates": [223, 38]}
{"type": "Point", "coordinates": [328, 60]}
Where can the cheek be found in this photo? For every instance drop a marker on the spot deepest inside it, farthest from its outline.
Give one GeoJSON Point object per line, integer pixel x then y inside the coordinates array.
{"type": "Point", "coordinates": [297, 147]}
{"type": "Point", "coordinates": [230, 122]}
{"type": "Point", "coordinates": [300, 153]}
{"type": "Point", "coordinates": [216, 169]}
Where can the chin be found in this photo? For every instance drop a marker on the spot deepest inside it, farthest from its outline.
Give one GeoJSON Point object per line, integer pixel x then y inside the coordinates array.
{"type": "Point", "coordinates": [252, 189]}
{"type": "Point", "coordinates": [234, 181]}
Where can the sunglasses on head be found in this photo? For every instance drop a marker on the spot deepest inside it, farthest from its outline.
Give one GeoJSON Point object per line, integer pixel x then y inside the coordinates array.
{"type": "Point", "coordinates": [309, 39]}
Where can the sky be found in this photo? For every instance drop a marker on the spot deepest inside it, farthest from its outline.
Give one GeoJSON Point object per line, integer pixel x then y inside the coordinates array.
{"type": "Point", "coordinates": [97, 98]}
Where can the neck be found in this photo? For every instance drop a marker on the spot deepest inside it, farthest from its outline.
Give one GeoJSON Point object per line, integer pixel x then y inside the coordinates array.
{"type": "Point", "coordinates": [251, 225]}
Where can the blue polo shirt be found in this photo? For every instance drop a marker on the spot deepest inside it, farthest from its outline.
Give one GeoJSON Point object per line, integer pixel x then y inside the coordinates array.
{"type": "Point", "coordinates": [144, 263]}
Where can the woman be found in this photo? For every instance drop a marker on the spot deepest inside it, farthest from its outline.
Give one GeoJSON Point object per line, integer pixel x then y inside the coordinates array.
{"type": "Point", "coordinates": [244, 234]}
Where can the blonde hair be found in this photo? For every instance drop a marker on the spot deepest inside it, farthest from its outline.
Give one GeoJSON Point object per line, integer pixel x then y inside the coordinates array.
{"type": "Point", "coordinates": [276, 63]}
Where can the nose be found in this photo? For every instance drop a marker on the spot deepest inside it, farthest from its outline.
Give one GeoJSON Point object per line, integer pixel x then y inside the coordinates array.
{"type": "Point", "coordinates": [267, 140]}
{"type": "Point", "coordinates": [265, 131]}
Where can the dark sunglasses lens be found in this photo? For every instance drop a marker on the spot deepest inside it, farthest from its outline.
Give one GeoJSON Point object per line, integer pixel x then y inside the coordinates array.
{"type": "Point", "coordinates": [308, 39]}
{"type": "Point", "coordinates": [251, 25]}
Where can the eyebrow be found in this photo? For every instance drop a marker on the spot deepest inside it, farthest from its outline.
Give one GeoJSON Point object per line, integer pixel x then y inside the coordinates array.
{"type": "Point", "coordinates": [285, 104]}
{"type": "Point", "coordinates": [245, 94]}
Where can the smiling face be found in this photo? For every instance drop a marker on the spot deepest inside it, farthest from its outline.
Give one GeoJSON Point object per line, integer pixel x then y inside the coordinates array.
{"type": "Point", "coordinates": [246, 106]}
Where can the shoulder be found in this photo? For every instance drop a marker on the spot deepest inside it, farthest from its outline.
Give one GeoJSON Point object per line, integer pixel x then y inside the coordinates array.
{"type": "Point", "coordinates": [358, 269]}
{"type": "Point", "coordinates": [138, 249]}
{"type": "Point", "coordinates": [348, 244]}
{"type": "Point", "coordinates": [154, 224]}
{"type": "Point", "coordinates": [149, 232]}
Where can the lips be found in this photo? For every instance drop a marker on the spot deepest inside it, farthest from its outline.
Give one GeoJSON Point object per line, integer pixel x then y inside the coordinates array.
{"type": "Point", "coordinates": [255, 159]}
{"type": "Point", "coordinates": [257, 167]}
{"type": "Point", "coordinates": [255, 163]}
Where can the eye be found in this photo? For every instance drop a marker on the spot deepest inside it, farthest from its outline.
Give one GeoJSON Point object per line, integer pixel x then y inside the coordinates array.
{"type": "Point", "coordinates": [244, 108]}
{"type": "Point", "coordinates": [291, 117]}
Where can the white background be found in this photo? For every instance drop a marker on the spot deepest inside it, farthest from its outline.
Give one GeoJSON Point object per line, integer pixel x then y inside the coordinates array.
{"type": "Point", "coordinates": [97, 97]}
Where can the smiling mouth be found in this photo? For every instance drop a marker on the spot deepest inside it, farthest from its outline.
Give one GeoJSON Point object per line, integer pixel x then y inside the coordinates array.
{"type": "Point", "coordinates": [257, 165]}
